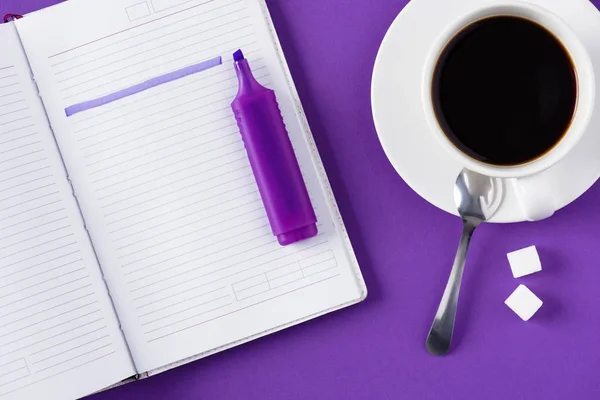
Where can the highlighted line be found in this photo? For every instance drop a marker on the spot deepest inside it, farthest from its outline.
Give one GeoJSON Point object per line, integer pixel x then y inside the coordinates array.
{"type": "Point", "coordinates": [140, 87]}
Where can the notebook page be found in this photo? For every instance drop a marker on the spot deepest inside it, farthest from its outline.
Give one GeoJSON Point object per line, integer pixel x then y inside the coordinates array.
{"type": "Point", "coordinates": [163, 179]}
{"type": "Point", "coordinates": [57, 324]}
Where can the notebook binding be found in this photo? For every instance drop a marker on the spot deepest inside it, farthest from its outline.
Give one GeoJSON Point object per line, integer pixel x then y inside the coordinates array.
{"type": "Point", "coordinates": [12, 17]}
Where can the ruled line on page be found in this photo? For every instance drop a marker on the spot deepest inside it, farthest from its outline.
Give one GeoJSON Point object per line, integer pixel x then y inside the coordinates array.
{"type": "Point", "coordinates": [36, 237]}
{"type": "Point", "coordinates": [58, 373]}
{"type": "Point", "coordinates": [131, 55]}
{"type": "Point", "coordinates": [192, 185]}
{"type": "Point", "coordinates": [22, 165]}
{"type": "Point", "coordinates": [36, 246]}
{"type": "Point", "coordinates": [102, 116]}
{"type": "Point", "coordinates": [149, 84]}
{"type": "Point", "coordinates": [118, 82]}
{"type": "Point", "coordinates": [39, 254]}
{"type": "Point", "coordinates": [137, 73]}
{"type": "Point", "coordinates": [223, 268]}
{"type": "Point", "coordinates": [178, 246]}
{"type": "Point", "coordinates": [6, 227]}
{"type": "Point", "coordinates": [29, 201]}
{"type": "Point", "coordinates": [246, 185]}
{"type": "Point", "coordinates": [155, 310]}
{"type": "Point", "coordinates": [268, 288]}
{"type": "Point", "coordinates": [21, 156]}
{"type": "Point", "coordinates": [142, 128]}
{"type": "Point", "coordinates": [19, 138]}
{"type": "Point", "coordinates": [129, 29]}
{"type": "Point", "coordinates": [187, 196]}
{"type": "Point", "coordinates": [206, 283]}
{"type": "Point", "coordinates": [236, 311]}
{"type": "Point", "coordinates": [222, 183]}
{"type": "Point", "coordinates": [41, 168]}
{"type": "Point", "coordinates": [169, 138]}
{"type": "Point", "coordinates": [72, 329]}
{"type": "Point", "coordinates": [70, 340]}
{"type": "Point", "coordinates": [34, 227]}
{"type": "Point", "coordinates": [36, 323]}
{"type": "Point", "coordinates": [54, 278]}
{"type": "Point", "coordinates": [27, 191]}
{"type": "Point", "coordinates": [184, 168]}
{"type": "Point", "coordinates": [13, 371]}
{"type": "Point", "coordinates": [269, 242]}
{"type": "Point", "coordinates": [52, 327]}
{"type": "Point", "coordinates": [68, 302]}
{"type": "Point", "coordinates": [71, 349]}
{"type": "Point", "coordinates": [204, 218]}
{"type": "Point", "coordinates": [169, 221]}
{"type": "Point", "coordinates": [75, 357]}
{"type": "Point", "coordinates": [11, 103]}
{"type": "Point", "coordinates": [243, 168]}
{"type": "Point", "coordinates": [143, 117]}
{"type": "Point", "coordinates": [178, 275]}
{"type": "Point", "coordinates": [174, 144]}
{"type": "Point", "coordinates": [191, 317]}
{"type": "Point", "coordinates": [34, 208]}
{"type": "Point", "coordinates": [158, 178]}
{"type": "Point", "coordinates": [14, 376]}
{"type": "Point", "coordinates": [14, 111]}
{"type": "Point", "coordinates": [252, 54]}
{"type": "Point", "coordinates": [179, 312]}
{"type": "Point", "coordinates": [20, 147]}
{"type": "Point", "coordinates": [13, 120]}
{"type": "Point", "coordinates": [43, 263]}
{"type": "Point", "coordinates": [193, 16]}
{"type": "Point", "coordinates": [21, 185]}
{"type": "Point", "coordinates": [48, 290]}
{"type": "Point", "coordinates": [201, 238]}
{"type": "Point", "coordinates": [144, 61]}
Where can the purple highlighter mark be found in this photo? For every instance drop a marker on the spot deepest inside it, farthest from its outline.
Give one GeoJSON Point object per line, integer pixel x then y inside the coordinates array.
{"type": "Point", "coordinates": [140, 87]}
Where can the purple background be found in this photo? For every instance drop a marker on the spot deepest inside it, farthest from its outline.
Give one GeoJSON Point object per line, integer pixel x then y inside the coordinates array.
{"type": "Point", "coordinates": [405, 247]}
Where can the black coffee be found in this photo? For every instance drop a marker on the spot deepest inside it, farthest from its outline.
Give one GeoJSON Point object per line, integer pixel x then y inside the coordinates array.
{"type": "Point", "coordinates": [504, 90]}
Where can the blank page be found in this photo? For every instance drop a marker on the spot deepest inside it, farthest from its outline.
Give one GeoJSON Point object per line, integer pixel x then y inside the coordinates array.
{"type": "Point", "coordinates": [59, 335]}
{"type": "Point", "coordinates": [164, 181]}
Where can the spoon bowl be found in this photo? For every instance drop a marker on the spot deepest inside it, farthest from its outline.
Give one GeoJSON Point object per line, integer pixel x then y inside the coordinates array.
{"type": "Point", "coordinates": [477, 196]}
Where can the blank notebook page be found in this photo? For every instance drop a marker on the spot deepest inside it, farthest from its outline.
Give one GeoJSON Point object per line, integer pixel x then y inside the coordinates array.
{"type": "Point", "coordinates": [57, 324]}
{"type": "Point", "coordinates": [164, 181]}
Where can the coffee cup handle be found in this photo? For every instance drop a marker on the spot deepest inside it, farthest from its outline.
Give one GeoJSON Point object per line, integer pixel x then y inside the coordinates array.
{"type": "Point", "coordinates": [535, 197]}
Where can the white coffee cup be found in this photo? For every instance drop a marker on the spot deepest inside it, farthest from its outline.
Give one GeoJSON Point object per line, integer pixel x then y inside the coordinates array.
{"type": "Point", "coordinates": [535, 200]}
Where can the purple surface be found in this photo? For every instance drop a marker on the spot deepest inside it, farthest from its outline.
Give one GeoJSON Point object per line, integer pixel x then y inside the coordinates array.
{"type": "Point", "coordinates": [405, 247]}
{"type": "Point", "coordinates": [140, 87]}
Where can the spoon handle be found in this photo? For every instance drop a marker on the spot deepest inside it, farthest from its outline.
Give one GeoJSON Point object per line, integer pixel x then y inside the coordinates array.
{"type": "Point", "coordinates": [440, 335]}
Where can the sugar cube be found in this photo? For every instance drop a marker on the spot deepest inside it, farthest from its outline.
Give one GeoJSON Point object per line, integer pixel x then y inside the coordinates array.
{"type": "Point", "coordinates": [523, 302]}
{"type": "Point", "coordinates": [524, 262]}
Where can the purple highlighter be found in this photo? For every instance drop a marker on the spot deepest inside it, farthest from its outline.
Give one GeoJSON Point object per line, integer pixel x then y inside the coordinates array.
{"type": "Point", "coordinates": [272, 158]}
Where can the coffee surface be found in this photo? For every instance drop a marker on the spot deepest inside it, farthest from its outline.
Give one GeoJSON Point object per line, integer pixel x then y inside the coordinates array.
{"type": "Point", "coordinates": [504, 90]}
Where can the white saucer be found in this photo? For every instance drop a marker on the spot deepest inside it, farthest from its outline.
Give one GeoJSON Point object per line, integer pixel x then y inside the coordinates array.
{"type": "Point", "coordinates": [400, 118]}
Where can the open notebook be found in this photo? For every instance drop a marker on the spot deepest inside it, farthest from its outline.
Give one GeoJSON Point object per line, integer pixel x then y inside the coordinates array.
{"type": "Point", "coordinates": [132, 234]}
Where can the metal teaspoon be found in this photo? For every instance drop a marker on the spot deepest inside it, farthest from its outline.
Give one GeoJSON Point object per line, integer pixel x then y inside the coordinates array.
{"type": "Point", "coordinates": [477, 198]}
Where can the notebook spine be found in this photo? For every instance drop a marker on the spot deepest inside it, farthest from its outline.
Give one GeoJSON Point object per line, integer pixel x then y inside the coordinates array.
{"type": "Point", "coordinates": [11, 17]}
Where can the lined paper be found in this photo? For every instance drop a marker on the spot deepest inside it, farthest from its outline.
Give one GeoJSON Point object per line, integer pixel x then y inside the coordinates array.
{"type": "Point", "coordinates": [140, 87]}
{"type": "Point", "coordinates": [55, 316]}
{"type": "Point", "coordinates": [164, 182]}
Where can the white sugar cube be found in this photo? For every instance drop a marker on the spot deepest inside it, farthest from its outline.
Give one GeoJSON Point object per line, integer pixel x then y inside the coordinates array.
{"type": "Point", "coordinates": [523, 302]}
{"type": "Point", "coordinates": [524, 262]}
